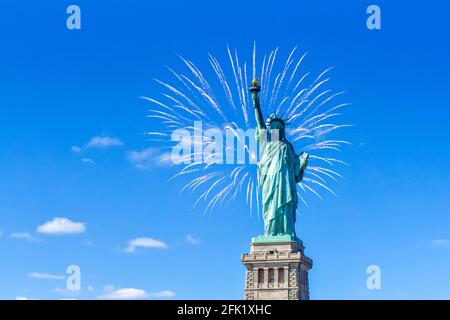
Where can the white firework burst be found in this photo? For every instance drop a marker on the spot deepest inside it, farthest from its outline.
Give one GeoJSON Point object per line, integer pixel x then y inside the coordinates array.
{"type": "Point", "coordinates": [222, 101]}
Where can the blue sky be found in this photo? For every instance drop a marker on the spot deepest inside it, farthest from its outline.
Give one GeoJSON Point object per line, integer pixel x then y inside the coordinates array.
{"type": "Point", "coordinates": [62, 88]}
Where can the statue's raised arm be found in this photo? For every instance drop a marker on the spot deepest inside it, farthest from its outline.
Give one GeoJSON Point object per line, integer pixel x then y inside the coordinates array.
{"type": "Point", "coordinates": [254, 90]}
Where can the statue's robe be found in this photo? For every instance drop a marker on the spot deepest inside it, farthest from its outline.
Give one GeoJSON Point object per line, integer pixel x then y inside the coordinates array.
{"type": "Point", "coordinates": [279, 172]}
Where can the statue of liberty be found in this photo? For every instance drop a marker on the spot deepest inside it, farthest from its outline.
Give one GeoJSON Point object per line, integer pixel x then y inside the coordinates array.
{"type": "Point", "coordinates": [279, 169]}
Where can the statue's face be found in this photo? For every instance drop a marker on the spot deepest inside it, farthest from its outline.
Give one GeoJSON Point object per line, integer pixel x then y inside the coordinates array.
{"type": "Point", "coordinates": [277, 125]}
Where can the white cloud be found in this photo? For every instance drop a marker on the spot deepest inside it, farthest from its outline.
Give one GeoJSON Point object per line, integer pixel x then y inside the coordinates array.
{"type": "Point", "coordinates": [108, 288]}
{"type": "Point", "coordinates": [76, 149]}
{"type": "Point", "coordinates": [46, 276]}
{"type": "Point", "coordinates": [59, 226]}
{"type": "Point", "coordinates": [101, 142]}
{"type": "Point", "coordinates": [193, 240]}
{"type": "Point", "coordinates": [23, 236]}
{"type": "Point", "coordinates": [163, 294]}
{"type": "Point", "coordinates": [144, 243]}
{"type": "Point", "coordinates": [148, 158]}
{"type": "Point", "coordinates": [104, 142]}
{"type": "Point", "coordinates": [67, 292]}
{"type": "Point", "coordinates": [440, 243]}
{"type": "Point", "coordinates": [126, 293]}
{"type": "Point", "coordinates": [88, 161]}
{"type": "Point", "coordinates": [23, 298]}
{"type": "Point", "coordinates": [132, 293]}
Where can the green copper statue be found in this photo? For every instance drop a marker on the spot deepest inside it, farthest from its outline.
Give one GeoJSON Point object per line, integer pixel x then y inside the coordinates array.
{"type": "Point", "coordinates": [280, 169]}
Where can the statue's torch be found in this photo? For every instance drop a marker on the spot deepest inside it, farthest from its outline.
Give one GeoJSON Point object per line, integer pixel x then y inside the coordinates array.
{"type": "Point", "coordinates": [255, 88]}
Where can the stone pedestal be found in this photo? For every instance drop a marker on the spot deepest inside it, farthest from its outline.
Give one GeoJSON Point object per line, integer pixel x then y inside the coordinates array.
{"type": "Point", "coordinates": [276, 270]}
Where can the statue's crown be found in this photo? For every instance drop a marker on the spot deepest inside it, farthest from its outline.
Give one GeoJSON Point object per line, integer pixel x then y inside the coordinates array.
{"type": "Point", "coordinates": [273, 117]}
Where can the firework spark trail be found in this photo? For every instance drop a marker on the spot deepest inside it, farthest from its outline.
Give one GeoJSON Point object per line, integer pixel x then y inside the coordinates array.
{"type": "Point", "coordinates": [308, 108]}
{"type": "Point", "coordinates": [269, 74]}
{"type": "Point", "coordinates": [281, 78]}
{"type": "Point", "coordinates": [295, 70]}
{"type": "Point", "coordinates": [220, 74]}
{"type": "Point", "coordinates": [254, 61]}
{"type": "Point", "coordinates": [263, 68]}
